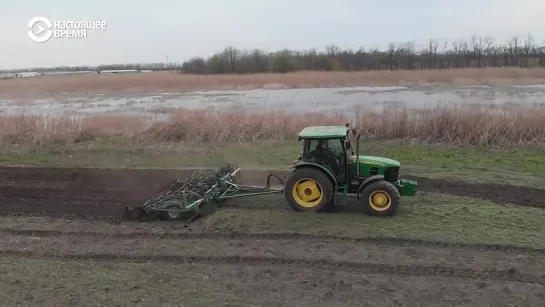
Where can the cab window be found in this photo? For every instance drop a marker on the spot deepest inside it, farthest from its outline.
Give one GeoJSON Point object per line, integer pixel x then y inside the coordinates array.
{"type": "Point", "coordinates": [332, 145]}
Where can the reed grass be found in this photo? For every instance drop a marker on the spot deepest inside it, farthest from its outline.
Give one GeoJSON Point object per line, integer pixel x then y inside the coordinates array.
{"type": "Point", "coordinates": [464, 126]}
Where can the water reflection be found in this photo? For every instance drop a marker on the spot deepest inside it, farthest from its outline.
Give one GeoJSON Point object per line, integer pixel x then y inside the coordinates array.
{"type": "Point", "coordinates": [339, 100]}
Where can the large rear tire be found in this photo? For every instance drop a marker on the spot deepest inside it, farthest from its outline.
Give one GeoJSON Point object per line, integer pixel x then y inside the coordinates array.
{"type": "Point", "coordinates": [309, 190]}
{"type": "Point", "coordinates": [380, 198]}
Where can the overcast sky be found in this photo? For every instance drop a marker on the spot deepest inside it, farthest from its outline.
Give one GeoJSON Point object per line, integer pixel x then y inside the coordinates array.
{"type": "Point", "coordinates": [148, 31]}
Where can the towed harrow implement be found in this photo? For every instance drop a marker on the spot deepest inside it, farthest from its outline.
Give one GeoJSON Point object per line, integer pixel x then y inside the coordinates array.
{"type": "Point", "coordinates": [198, 195]}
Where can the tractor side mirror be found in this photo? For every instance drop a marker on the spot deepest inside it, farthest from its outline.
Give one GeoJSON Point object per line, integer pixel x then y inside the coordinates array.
{"type": "Point", "coordinates": [347, 145]}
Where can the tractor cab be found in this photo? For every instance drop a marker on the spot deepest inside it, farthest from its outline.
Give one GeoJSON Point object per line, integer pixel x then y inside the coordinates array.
{"type": "Point", "coordinates": [329, 147]}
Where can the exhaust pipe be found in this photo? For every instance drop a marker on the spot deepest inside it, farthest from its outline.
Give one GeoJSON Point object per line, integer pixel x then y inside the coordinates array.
{"type": "Point", "coordinates": [358, 156]}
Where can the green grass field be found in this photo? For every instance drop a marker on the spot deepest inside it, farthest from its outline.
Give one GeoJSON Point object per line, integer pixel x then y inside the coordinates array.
{"type": "Point", "coordinates": [427, 216]}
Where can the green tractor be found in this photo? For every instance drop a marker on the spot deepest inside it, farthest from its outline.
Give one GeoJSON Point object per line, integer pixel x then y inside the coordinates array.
{"type": "Point", "coordinates": [328, 167]}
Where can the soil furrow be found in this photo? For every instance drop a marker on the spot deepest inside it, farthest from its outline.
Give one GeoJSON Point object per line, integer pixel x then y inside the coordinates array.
{"type": "Point", "coordinates": [497, 193]}
{"type": "Point", "coordinates": [306, 249]}
{"type": "Point", "coordinates": [510, 275]}
{"type": "Point", "coordinates": [68, 208]}
{"type": "Point", "coordinates": [122, 198]}
{"type": "Point", "coordinates": [137, 195]}
{"type": "Point", "coordinates": [138, 184]}
{"type": "Point", "coordinates": [378, 241]}
{"type": "Point", "coordinates": [93, 209]}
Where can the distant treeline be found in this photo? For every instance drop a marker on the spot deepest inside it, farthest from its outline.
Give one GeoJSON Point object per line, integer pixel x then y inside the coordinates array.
{"type": "Point", "coordinates": [476, 52]}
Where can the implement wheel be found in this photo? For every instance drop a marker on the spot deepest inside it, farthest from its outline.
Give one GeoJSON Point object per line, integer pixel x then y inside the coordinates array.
{"type": "Point", "coordinates": [309, 190]}
{"type": "Point", "coordinates": [174, 213]}
{"type": "Point", "coordinates": [380, 198]}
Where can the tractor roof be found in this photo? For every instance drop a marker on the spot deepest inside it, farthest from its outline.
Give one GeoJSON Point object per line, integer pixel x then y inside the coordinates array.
{"type": "Point", "coordinates": [323, 132]}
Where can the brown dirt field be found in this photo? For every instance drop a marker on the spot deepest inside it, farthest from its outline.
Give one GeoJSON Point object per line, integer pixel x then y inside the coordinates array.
{"type": "Point", "coordinates": [173, 81]}
{"type": "Point", "coordinates": [142, 269]}
{"type": "Point", "coordinates": [103, 193]}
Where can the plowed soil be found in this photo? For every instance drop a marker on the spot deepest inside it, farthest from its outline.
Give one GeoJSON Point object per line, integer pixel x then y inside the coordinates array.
{"type": "Point", "coordinates": [104, 192]}
{"type": "Point", "coordinates": [262, 269]}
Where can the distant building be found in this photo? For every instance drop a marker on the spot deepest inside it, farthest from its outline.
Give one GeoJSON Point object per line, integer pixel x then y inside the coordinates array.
{"type": "Point", "coordinates": [28, 74]}
{"type": "Point", "coordinates": [118, 71]}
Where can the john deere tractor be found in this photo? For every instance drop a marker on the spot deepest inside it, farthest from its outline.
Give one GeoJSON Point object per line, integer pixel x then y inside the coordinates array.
{"type": "Point", "coordinates": [328, 168]}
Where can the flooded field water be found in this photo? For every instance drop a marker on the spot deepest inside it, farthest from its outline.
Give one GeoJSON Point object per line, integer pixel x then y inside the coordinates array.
{"type": "Point", "coordinates": [343, 100]}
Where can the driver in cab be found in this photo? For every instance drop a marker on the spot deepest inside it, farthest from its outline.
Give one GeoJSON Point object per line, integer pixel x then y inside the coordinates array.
{"type": "Point", "coordinates": [322, 154]}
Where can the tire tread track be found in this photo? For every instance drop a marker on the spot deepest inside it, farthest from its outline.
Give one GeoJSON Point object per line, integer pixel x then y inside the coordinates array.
{"type": "Point", "coordinates": [290, 236]}
{"type": "Point", "coordinates": [510, 275]}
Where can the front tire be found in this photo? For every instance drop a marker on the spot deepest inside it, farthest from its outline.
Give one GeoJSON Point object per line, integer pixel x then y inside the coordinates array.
{"type": "Point", "coordinates": [309, 190]}
{"type": "Point", "coordinates": [380, 198]}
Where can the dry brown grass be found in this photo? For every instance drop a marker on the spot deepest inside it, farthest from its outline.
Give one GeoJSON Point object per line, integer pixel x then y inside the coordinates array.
{"type": "Point", "coordinates": [40, 131]}
{"type": "Point", "coordinates": [489, 126]}
{"type": "Point", "coordinates": [176, 82]}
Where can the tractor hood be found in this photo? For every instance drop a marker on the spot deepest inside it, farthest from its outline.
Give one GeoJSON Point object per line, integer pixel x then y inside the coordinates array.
{"type": "Point", "coordinates": [378, 161]}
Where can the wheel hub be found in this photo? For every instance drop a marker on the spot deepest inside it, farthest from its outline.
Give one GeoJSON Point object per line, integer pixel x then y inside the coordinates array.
{"type": "Point", "coordinates": [307, 193]}
{"type": "Point", "coordinates": [380, 200]}
{"type": "Point", "coordinates": [173, 214]}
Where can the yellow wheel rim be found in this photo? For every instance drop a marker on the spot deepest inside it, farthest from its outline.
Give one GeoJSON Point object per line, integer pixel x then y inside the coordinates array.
{"type": "Point", "coordinates": [380, 200]}
{"type": "Point", "coordinates": [307, 193]}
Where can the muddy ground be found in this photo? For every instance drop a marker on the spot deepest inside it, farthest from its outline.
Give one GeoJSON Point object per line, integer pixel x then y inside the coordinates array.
{"type": "Point", "coordinates": [105, 192]}
{"type": "Point", "coordinates": [264, 270]}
